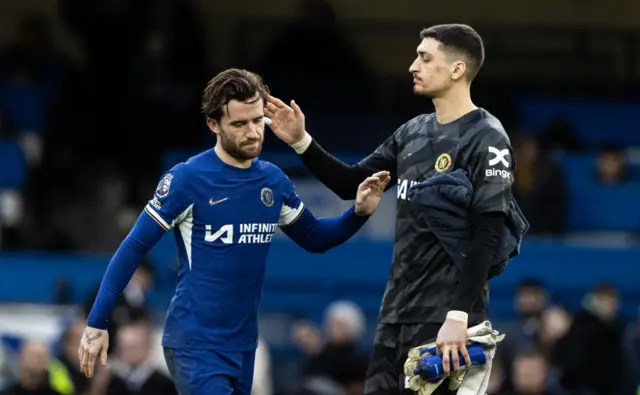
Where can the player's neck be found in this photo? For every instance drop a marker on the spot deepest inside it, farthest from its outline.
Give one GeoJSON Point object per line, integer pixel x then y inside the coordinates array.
{"type": "Point", "coordinates": [230, 160]}
{"type": "Point", "coordinates": [453, 105]}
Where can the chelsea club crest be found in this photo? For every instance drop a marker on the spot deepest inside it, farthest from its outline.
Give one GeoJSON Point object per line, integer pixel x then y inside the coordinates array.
{"type": "Point", "coordinates": [443, 163]}
{"type": "Point", "coordinates": [266, 195]}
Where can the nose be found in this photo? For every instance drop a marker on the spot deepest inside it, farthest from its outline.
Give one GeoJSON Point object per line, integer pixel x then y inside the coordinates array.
{"type": "Point", "coordinates": [414, 67]}
{"type": "Point", "coordinates": [254, 132]}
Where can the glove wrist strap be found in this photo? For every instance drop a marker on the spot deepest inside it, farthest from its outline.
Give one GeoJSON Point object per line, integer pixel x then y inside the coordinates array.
{"type": "Point", "coordinates": [301, 146]}
{"type": "Point", "coordinates": [459, 316]}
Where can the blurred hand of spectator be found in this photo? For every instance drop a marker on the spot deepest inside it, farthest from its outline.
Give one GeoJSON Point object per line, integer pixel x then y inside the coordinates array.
{"type": "Point", "coordinates": [555, 325]}
{"type": "Point", "coordinates": [611, 166]}
{"type": "Point", "coordinates": [307, 337]}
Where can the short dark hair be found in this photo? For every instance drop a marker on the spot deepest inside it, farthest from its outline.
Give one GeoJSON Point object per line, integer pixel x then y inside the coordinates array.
{"type": "Point", "coordinates": [231, 84]}
{"type": "Point", "coordinates": [462, 39]}
{"type": "Point", "coordinates": [531, 282]}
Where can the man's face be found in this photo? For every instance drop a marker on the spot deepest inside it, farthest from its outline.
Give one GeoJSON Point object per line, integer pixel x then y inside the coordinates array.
{"type": "Point", "coordinates": [433, 71]}
{"type": "Point", "coordinates": [530, 301]}
{"type": "Point", "coordinates": [133, 344]}
{"type": "Point", "coordinates": [529, 374]}
{"type": "Point", "coordinates": [610, 166]}
{"type": "Point", "coordinates": [241, 128]}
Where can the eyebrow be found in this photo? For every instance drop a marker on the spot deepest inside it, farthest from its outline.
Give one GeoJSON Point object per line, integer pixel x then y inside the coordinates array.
{"type": "Point", "coordinates": [247, 120]}
{"type": "Point", "coordinates": [422, 52]}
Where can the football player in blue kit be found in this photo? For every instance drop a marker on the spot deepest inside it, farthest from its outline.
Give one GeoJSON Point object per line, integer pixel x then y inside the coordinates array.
{"type": "Point", "coordinates": [224, 205]}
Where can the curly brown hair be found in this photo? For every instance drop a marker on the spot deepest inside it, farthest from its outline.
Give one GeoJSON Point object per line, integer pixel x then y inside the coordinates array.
{"type": "Point", "coordinates": [231, 84]}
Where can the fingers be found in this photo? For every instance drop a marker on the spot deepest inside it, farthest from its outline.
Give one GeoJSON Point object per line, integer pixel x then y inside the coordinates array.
{"type": "Point", "coordinates": [454, 358]}
{"type": "Point", "coordinates": [382, 174]}
{"type": "Point", "coordinates": [80, 356]}
{"type": "Point", "coordinates": [270, 108]}
{"type": "Point", "coordinates": [446, 359]}
{"type": "Point", "coordinates": [465, 355]}
{"type": "Point", "coordinates": [103, 356]}
{"type": "Point", "coordinates": [450, 356]}
{"type": "Point", "coordinates": [93, 356]}
{"type": "Point", "coordinates": [276, 102]}
{"type": "Point", "coordinates": [368, 182]}
{"type": "Point", "coordinates": [365, 193]}
{"type": "Point", "coordinates": [385, 183]}
{"type": "Point", "coordinates": [296, 108]}
{"type": "Point", "coordinates": [84, 362]}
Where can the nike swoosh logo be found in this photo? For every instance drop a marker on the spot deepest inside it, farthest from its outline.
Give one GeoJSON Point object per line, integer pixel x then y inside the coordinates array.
{"type": "Point", "coordinates": [211, 202]}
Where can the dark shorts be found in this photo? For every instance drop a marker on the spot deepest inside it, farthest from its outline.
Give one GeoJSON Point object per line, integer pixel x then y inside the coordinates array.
{"type": "Point", "coordinates": [205, 372]}
{"type": "Point", "coordinates": [385, 375]}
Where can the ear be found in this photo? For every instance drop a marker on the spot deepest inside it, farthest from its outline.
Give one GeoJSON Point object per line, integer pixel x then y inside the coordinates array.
{"type": "Point", "coordinates": [458, 69]}
{"type": "Point", "coordinates": [213, 126]}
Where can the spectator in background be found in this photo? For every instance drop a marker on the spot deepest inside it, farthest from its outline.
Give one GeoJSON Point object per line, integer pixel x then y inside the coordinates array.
{"type": "Point", "coordinates": [130, 372]}
{"type": "Point", "coordinates": [530, 371]}
{"type": "Point", "coordinates": [611, 168]}
{"type": "Point", "coordinates": [524, 332]}
{"type": "Point", "coordinates": [33, 376]}
{"type": "Point", "coordinates": [632, 348]}
{"type": "Point", "coordinates": [590, 356]}
{"type": "Point", "coordinates": [337, 362]}
{"type": "Point", "coordinates": [539, 188]}
{"type": "Point", "coordinates": [560, 135]}
{"type": "Point", "coordinates": [497, 378]}
{"type": "Point", "coordinates": [7, 373]}
{"type": "Point", "coordinates": [67, 378]}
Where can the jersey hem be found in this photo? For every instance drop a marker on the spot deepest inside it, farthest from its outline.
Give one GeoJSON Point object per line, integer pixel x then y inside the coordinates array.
{"type": "Point", "coordinates": [206, 346]}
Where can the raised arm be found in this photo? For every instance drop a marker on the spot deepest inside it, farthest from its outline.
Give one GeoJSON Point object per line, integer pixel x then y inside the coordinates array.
{"type": "Point", "coordinates": [318, 235]}
{"type": "Point", "coordinates": [343, 179]}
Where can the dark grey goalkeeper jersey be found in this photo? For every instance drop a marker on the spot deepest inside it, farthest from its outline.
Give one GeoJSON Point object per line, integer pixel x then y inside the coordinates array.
{"type": "Point", "coordinates": [423, 278]}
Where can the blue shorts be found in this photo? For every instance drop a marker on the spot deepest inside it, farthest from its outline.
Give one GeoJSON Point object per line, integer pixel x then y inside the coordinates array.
{"type": "Point", "coordinates": [209, 372]}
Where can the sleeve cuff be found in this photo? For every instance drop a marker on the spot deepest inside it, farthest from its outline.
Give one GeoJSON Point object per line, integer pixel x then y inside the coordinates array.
{"type": "Point", "coordinates": [301, 146]}
{"type": "Point", "coordinates": [460, 316]}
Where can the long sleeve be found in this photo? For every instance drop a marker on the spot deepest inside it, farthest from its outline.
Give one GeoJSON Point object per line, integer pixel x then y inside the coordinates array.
{"type": "Point", "coordinates": [143, 236]}
{"type": "Point", "coordinates": [343, 179]}
{"type": "Point", "coordinates": [486, 230]}
{"type": "Point", "coordinates": [321, 234]}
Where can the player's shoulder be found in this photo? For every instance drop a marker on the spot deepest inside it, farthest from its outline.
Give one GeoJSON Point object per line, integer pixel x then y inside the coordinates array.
{"type": "Point", "coordinates": [420, 120]}
{"type": "Point", "coordinates": [414, 125]}
{"type": "Point", "coordinates": [196, 163]}
{"type": "Point", "coordinates": [488, 130]}
{"type": "Point", "coordinates": [181, 174]}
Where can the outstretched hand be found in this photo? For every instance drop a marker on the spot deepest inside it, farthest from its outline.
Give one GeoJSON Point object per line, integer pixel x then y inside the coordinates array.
{"type": "Point", "coordinates": [287, 122]}
{"type": "Point", "coordinates": [370, 192]}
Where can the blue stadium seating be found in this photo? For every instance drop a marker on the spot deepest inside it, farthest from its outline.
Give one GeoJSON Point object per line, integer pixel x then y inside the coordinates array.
{"type": "Point", "coordinates": [12, 165]}
{"type": "Point", "coordinates": [593, 206]}
{"type": "Point", "coordinates": [303, 284]}
{"type": "Point", "coordinates": [595, 121]}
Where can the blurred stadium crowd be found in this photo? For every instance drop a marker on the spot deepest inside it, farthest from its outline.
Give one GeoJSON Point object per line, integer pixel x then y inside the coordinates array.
{"type": "Point", "coordinates": [84, 135]}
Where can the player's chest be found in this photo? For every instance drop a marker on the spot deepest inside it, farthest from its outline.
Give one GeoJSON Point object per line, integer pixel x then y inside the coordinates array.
{"type": "Point", "coordinates": [249, 206]}
{"type": "Point", "coordinates": [426, 156]}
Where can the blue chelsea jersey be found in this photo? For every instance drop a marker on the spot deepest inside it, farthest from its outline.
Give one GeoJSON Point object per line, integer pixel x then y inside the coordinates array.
{"type": "Point", "coordinates": [223, 218]}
